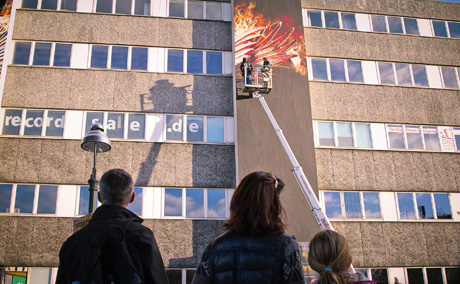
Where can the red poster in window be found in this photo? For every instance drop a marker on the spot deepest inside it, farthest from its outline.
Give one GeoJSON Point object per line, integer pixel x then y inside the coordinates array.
{"type": "Point", "coordinates": [446, 138]}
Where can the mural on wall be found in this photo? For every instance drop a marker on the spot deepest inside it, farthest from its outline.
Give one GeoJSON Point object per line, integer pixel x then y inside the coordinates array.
{"type": "Point", "coordinates": [257, 36]}
{"type": "Point", "coordinates": [4, 23]}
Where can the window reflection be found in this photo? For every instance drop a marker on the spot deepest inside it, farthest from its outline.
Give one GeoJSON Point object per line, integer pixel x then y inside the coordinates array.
{"type": "Point", "coordinates": [348, 21]}
{"type": "Point", "coordinates": [344, 134]}
{"type": "Point", "coordinates": [123, 7]}
{"type": "Point", "coordinates": [442, 204]}
{"type": "Point", "coordinates": [414, 137]}
{"type": "Point", "coordinates": [363, 135]}
{"type": "Point", "coordinates": [24, 198]}
{"type": "Point", "coordinates": [440, 28]}
{"type": "Point", "coordinates": [449, 77]}
{"type": "Point", "coordinates": [99, 56]}
{"type": "Point", "coordinates": [215, 129]}
{"type": "Point", "coordinates": [331, 19]}
{"type": "Point", "coordinates": [337, 70]}
{"type": "Point", "coordinates": [176, 8]}
{"type": "Point", "coordinates": [420, 78]}
{"type": "Point", "coordinates": [175, 60]}
{"type": "Point", "coordinates": [378, 23]}
{"type": "Point", "coordinates": [371, 205]}
{"type": "Point", "coordinates": [47, 199]}
{"type": "Point", "coordinates": [332, 204]}
{"type": "Point", "coordinates": [84, 200]}
{"type": "Point", "coordinates": [22, 53]}
{"type": "Point", "coordinates": [136, 205]}
{"type": "Point", "coordinates": [411, 26]}
{"type": "Point", "coordinates": [173, 202]}
{"type": "Point", "coordinates": [406, 206]}
{"type": "Point", "coordinates": [395, 25]}
{"type": "Point", "coordinates": [213, 11]}
{"type": "Point", "coordinates": [42, 54]}
{"type": "Point", "coordinates": [142, 7]}
{"type": "Point", "coordinates": [315, 19]}
{"type": "Point", "coordinates": [403, 74]}
{"type": "Point", "coordinates": [425, 210]}
{"type": "Point", "coordinates": [386, 73]}
{"type": "Point", "coordinates": [319, 68]}
{"type": "Point", "coordinates": [119, 57]}
{"type": "Point", "coordinates": [396, 136]}
{"type": "Point", "coordinates": [194, 61]}
{"type": "Point", "coordinates": [104, 6]}
{"type": "Point", "coordinates": [5, 197]}
{"type": "Point", "coordinates": [139, 57]}
{"type": "Point", "coordinates": [194, 203]}
{"type": "Point", "coordinates": [62, 54]}
{"type": "Point", "coordinates": [216, 203]}
{"type": "Point", "coordinates": [352, 205]}
{"type": "Point", "coordinates": [195, 9]}
{"type": "Point", "coordinates": [326, 134]}
{"type": "Point", "coordinates": [355, 72]}
{"type": "Point", "coordinates": [213, 62]}
{"type": "Point", "coordinates": [430, 135]}
{"type": "Point", "coordinates": [454, 29]}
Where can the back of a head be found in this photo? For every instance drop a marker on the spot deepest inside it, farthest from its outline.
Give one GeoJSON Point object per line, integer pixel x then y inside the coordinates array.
{"type": "Point", "coordinates": [116, 187]}
{"type": "Point", "coordinates": [255, 209]}
{"type": "Point", "coordinates": [329, 255]}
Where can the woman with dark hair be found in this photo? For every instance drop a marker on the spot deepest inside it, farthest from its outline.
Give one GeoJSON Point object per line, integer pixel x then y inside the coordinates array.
{"type": "Point", "coordinates": [255, 248]}
{"type": "Point", "coordinates": [329, 255]}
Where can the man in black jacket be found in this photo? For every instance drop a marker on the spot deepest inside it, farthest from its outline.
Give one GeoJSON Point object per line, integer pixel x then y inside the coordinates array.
{"type": "Point", "coordinates": [81, 250]}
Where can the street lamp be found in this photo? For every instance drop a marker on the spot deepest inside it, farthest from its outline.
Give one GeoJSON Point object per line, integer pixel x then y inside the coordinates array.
{"type": "Point", "coordinates": [95, 141]}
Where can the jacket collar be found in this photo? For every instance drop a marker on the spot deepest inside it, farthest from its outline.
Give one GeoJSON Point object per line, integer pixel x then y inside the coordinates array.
{"type": "Point", "coordinates": [113, 211]}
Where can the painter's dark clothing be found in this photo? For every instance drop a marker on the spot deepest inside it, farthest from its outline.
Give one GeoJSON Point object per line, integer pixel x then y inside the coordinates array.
{"type": "Point", "coordinates": [231, 258]}
{"type": "Point", "coordinates": [76, 253]}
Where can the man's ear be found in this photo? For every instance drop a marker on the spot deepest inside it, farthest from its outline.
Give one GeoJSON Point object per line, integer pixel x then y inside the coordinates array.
{"type": "Point", "coordinates": [99, 196]}
{"type": "Point", "coordinates": [132, 197]}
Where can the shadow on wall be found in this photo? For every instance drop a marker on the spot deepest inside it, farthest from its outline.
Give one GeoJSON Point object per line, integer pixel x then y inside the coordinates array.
{"type": "Point", "coordinates": [165, 97]}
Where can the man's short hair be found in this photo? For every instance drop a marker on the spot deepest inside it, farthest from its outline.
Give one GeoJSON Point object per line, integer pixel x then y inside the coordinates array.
{"type": "Point", "coordinates": [116, 187]}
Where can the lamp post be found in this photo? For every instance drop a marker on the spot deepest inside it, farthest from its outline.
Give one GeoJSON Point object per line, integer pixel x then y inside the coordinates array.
{"type": "Point", "coordinates": [95, 141]}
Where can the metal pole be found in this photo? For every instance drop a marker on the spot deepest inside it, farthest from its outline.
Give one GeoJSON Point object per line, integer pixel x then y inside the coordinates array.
{"type": "Point", "coordinates": [93, 185]}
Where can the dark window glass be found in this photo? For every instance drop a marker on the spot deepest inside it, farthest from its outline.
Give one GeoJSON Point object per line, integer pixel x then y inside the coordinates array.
{"type": "Point", "coordinates": [142, 7]}
{"type": "Point", "coordinates": [99, 56]}
{"type": "Point", "coordinates": [396, 137]}
{"type": "Point", "coordinates": [355, 71]}
{"type": "Point", "coordinates": [195, 128]}
{"type": "Point", "coordinates": [104, 6]}
{"type": "Point", "coordinates": [319, 69]}
{"type": "Point", "coordinates": [363, 271]}
{"type": "Point", "coordinates": [115, 125]}
{"type": "Point", "coordinates": [69, 5]}
{"type": "Point", "coordinates": [372, 205]}
{"type": "Point", "coordinates": [411, 26]}
{"type": "Point", "coordinates": [425, 209]}
{"type": "Point", "coordinates": [195, 9]}
{"type": "Point", "coordinates": [136, 205]}
{"type": "Point", "coordinates": [326, 134]}
{"type": "Point", "coordinates": [406, 206]}
{"type": "Point", "coordinates": [47, 199]}
{"type": "Point", "coordinates": [453, 275]}
{"type": "Point", "coordinates": [24, 198]}
{"type": "Point", "coordinates": [42, 54]}
{"type": "Point", "coordinates": [331, 19]}
{"type": "Point", "coordinates": [194, 61]}
{"type": "Point", "coordinates": [22, 53]}
{"type": "Point", "coordinates": [449, 77]}
{"type": "Point", "coordinates": [190, 274]}
{"type": "Point", "coordinates": [352, 205]}
{"type": "Point", "coordinates": [454, 29]}
{"type": "Point", "coordinates": [420, 78]}
{"type": "Point", "coordinates": [136, 126]}
{"type": "Point", "coordinates": [139, 58]}
{"type": "Point", "coordinates": [414, 137]}
{"type": "Point", "coordinates": [175, 60]}
{"type": "Point", "coordinates": [441, 201]}
{"type": "Point", "coordinates": [332, 204]}
{"type": "Point", "coordinates": [344, 134]}
{"type": "Point", "coordinates": [29, 4]}
{"type": "Point", "coordinates": [5, 197]}
{"type": "Point", "coordinates": [173, 202]}
{"type": "Point", "coordinates": [415, 275]}
{"type": "Point", "coordinates": [440, 28]}
{"type": "Point", "coordinates": [123, 7]}
{"type": "Point", "coordinates": [174, 125]}
{"type": "Point", "coordinates": [216, 203]}
{"type": "Point", "coordinates": [213, 62]}
{"type": "Point", "coordinates": [12, 122]}
{"type": "Point", "coordinates": [430, 134]}
{"type": "Point", "coordinates": [378, 23]}
{"type": "Point", "coordinates": [215, 129]}
{"type": "Point", "coordinates": [174, 276]}
{"type": "Point", "coordinates": [92, 118]}
{"type": "Point", "coordinates": [337, 70]}
{"type": "Point", "coordinates": [403, 74]}
{"type": "Point", "coordinates": [395, 25]}
{"type": "Point", "coordinates": [386, 73]}
{"type": "Point", "coordinates": [33, 123]}
{"type": "Point", "coordinates": [119, 57]}
{"type": "Point", "coordinates": [176, 8]}
{"type": "Point", "coordinates": [380, 276]}
{"type": "Point", "coordinates": [49, 4]}
{"type": "Point", "coordinates": [194, 203]}
{"type": "Point", "coordinates": [55, 123]}
{"type": "Point", "coordinates": [315, 18]}
{"type": "Point", "coordinates": [84, 200]}
{"type": "Point", "coordinates": [434, 275]}
{"type": "Point", "coordinates": [348, 21]}
{"type": "Point", "coordinates": [213, 11]}
{"type": "Point", "coordinates": [62, 54]}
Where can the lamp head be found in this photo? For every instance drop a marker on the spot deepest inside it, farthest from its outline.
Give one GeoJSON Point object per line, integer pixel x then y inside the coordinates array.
{"type": "Point", "coordinates": [96, 137]}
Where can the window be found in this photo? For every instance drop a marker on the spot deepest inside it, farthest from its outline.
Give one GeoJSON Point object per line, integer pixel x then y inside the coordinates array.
{"type": "Point", "coordinates": [194, 203]}
{"type": "Point", "coordinates": [24, 198]}
{"type": "Point", "coordinates": [442, 204]}
{"type": "Point", "coordinates": [454, 29]}
{"type": "Point", "coordinates": [348, 21]}
{"type": "Point", "coordinates": [415, 275]}
{"type": "Point", "coordinates": [84, 200]}
{"type": "Point", "coordinates": [136, 126]}
{"type": "Point", "coordinates": [215, 129]}
{"type": "Point", "coordinates": [371, 205]}
{"type": "Point", "coordinates": [319, 69]}
{"type": "Point", "coordinates": [62, 54]}
{"type": "Point", "coordinates": [139, 58]}
{"type": "Point", "coordinates": [92, 118]}
{"type": "Point", "coordinates": [355, 71]}
{"type": "Point", "coordinates": [449, 77]}
{"type": "Point", "coordinates": [33, 122]}
{"type": "Point", "coordinates": [194, 61]}
{"type": "Point", "coordinates": [395, 25]}
{"type": "Point", "coordinates": [136, 205]}
{"type": "Point", "coordinates": [99, 55]}
{"type": "Point", "coordinates": [403, 74]}
{"type": "Point", "coordinates": [22, 53]}
{"type": "Point", "coordinates": [12, 122]}
{"type": "Point", "coordinates": [396, 136]}
{"type": "Point", "coordinates": [69, 5]}
{"type": "Point", "coordinates": [49, 4]}
{"type": "Point", "coordinates": [213, 62]}
{"type": "Point", "coordinates": [213, 11]}
{"type": "Point", "coordinates": [216, 203]}
{"type": "Point", "coordinates": [420, 78]}
{"type": "Point", "coordinates": [386, 73]}
{"type": "Point", "coordinates": [195, 128]}
{"type": "Point", "coordinates": [314, 18]}
{"type": "Point", "coordinates": [32, 4]}
{"type": "Point", "coordinates": [326, 134]}
{"type": "Point", "coordinates": [5, 197]}
{"type": "Point", "coordinates": [352, 202]}
{"type": "Point", "coordinates": [174, 124]}
{"type": "Point", "coordinates": [457, 138]}
{"type": "Point", "coordinates": [195, 9]}
{"type": "Point", "coordinates": [115, 125]}
{"type": "Point", "coordinates": [123, 7]}
{"type": "Point", "coordinates": [142, 7]}
{"type": "Point", "coordinates": [406, 206]}
{"type": "Point", "coordinates": [175, 60]}
{"type": "Point", "coordinates": [173, 202]}
{"type": "Point", "coordinates": [380, 275]}
{"type": "Point", "coordinates": [42, 53]}
{"type": "Point", "coordinates": [411, 26]}
{"type": "Point", "coordinates": [439, 28]}
{"type": "Point", "coordinates": [55, 123]}
{"type": "Point", "coordinates": [378, 23]}
{"type": "Point", "coordinates": [430, 135]}
{"type": "Point", "coordinates": [434, 275]}
{"type": "Point", "coordinates": [104, 6]}
{"type": "Point", "coordinates": [424, 208]}
{"type": "Point", "coordinates": [331, 19]}
{"type": "Point", "coordinates": [176, 8]}
{"type": "Point", "coordinates": [363, 135]}
{"type": "Point", "coordinates": [119, 57]}
{"type": "Point", "coordinates": [452, 275]}
{"type": "Point", "coordinates": [414, 137]}
{"type": "Point", "coordinates": [47, 197]}
{"type": "Point", "coordinates": [337, 70]}
{"type": "Point", "coordinates": [344, 134]}
{"type": "Point", "coordinates": [332, 204]}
